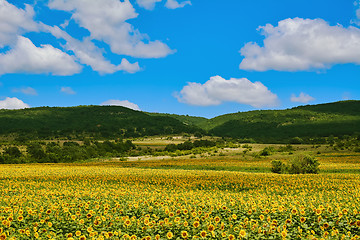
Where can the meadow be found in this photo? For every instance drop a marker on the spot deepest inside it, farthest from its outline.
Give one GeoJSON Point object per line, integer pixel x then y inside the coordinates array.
{"type": "Point", "coordinates": [232, 196]}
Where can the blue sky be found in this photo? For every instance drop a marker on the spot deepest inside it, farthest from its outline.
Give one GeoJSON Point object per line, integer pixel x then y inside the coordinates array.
{"type": "Point", "coordinates": [202, 58]}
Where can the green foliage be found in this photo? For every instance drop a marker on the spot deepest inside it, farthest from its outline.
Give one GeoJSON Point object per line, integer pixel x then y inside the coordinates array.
{"type": "Point", "coordinates": [303, 164]}
{"type": "Point", "coordinates": [267, 151]}
{"type": "Point", "coordinates": [12, 152]}
{"type": "Point", "coordinates": [188, 145]}
{"type": "Point", "coordinates": [102, 122]}
{"type": "Point", "coordinates": [68, 152]}
{"type": "Point", "coordinates": [277, 166]}
{"type": "Point", "coordinates": [296, 140]}
{"type": "Point", "coordinates": [306, 124]}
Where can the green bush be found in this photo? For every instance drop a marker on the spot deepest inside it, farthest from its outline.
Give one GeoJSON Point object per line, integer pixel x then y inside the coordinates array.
{"type": "Point", "coordinates": [277, 166]}
{"type": "Point", "coordinates": [267, 151]}
{"type": "Point", "coordinates": [303, 164]}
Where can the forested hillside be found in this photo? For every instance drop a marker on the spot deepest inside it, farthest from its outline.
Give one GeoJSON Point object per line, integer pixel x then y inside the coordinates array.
{"type": "Point", "coordinates": [323, 120]}
{"type": "Point", "coordinates": [312, 121]}
{"type": "Point", "coordinates": [86, 121]}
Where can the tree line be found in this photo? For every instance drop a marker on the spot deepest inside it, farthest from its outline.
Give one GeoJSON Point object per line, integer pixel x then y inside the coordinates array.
{"type": "Point", "coordinates": [54, 152]}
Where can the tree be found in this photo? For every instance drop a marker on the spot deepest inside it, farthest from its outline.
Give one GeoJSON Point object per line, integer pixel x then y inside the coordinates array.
{"type": "Point", "coordinates": [303, 164]}
{"type": "Point", "coordinates": [13, 152]}
{"type": "Point", "coordinates": [36, 151]}
{"type": "Point", "coordinates": [277, 166]}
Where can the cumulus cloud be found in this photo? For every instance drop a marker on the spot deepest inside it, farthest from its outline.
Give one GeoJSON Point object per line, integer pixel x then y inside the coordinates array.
{"type": "Point", "coordinates": [13, 103]}
{"type": "Point", "coordinates": [87, 53]}
{"type": "Point", "coordinates": [302, 98]}
{"type": "Point", "coordinates": [124, 103]}
{"type": "Point", "coordinates": [147, 4]}
{"type": "Point", "coordinates": [67, 90]}
{"type": "Point", "coordinates": [26, 90]}
{"type": "Point", "coordinates": [357, 5]}
{"type": "Point", "coordinates": [173, 4]}
{"type": "Point", "coordinates": [106, 21]}
{"type": "Point", "coordinates": [218, 90]}
{"type": "Point", "coordinates": [25, 57]}
{"type": "Point", "coordinates": [14, 21]}
{"type": "Point", "coordinates": [302, 44]}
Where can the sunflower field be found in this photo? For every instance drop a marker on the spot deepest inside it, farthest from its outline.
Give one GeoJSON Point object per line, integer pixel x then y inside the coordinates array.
{"type": "Point", "coordinates": [108, 201]}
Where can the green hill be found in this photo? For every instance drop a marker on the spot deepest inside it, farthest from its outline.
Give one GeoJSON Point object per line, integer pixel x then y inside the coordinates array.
{"type": "Point", "coordinates": [339, 118]}
{"type": "Point", "coordinates": [311, 121]}
{"type": "Point", "coordinates": [86, 121]}
{"type": "Point", "coordinates": [186, 119]}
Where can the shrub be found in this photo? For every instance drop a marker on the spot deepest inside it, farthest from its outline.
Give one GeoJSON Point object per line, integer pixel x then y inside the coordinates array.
{"type": "Point", "coordinates": [277, 166]}
{"type": "Point", "coordinates": [266, 151]}
{"type": "Point", "coordinates": [299, 165]}
{"type": "Point", "coordinates": [296, 140]}
{"type": "Point", "coordinates": [303, 164]}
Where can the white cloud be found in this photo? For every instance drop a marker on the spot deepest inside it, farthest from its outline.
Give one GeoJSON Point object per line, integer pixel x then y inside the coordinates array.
{"type": "Point", "coordinates": [172, 4]}
{"type": "Point", "coordinates": [106, 22]}
{"type": "Point", "coordinates": [302, 44]}
{"type": "Point", "coordinates": [147, 4]}
{"type": "Point", "coordinates": [14, 21]}
{"type": "Point", "coordinates": [87, 53]}
{"type": "Point", "coordinates": [218, 90]}
{"type": "Point", "coordinates": [13, 103]}
{"type": "Point", "coordinates": [25, 57]}
{"type": "Point", "coordinates": [357, 12]}
{"type": "Point", "coordinates": [67, 90]}
{"type": "Point", "coordinates": [302, 98]}
{"type": "Point", "coordinates": [26, 90]}
{"type": "Point", "coordinates": [124, 103]}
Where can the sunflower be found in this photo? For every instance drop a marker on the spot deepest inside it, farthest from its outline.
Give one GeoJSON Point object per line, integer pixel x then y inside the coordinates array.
{"type": "Point", "coordinates": [127, 222]}
{"type": "Point", "coordinates": [326, 225]}
{"type": "Point", "coordinates": [196, 224]}
{"type": "Point", "coordinates": [302, 219]}
{"type": "Point", "coordinates": [146, 221]}
{"type": "Point", "coordinates": [318, 211]}
{"type": "Point", "coordinates": [211, 228]}
{"type": "Point", "coordinates": [78, 233]}
{"type": "Point", "coordinates": [231, 237]}
{"type": "Point", "coordinates": [169, 235]}
{"type": "Point", "coordinates": [242, 233]}
{"type": "Point", "coordinates": [184, 234]}
{"type": "Point", "coordinates": [203, 234]}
